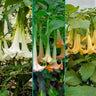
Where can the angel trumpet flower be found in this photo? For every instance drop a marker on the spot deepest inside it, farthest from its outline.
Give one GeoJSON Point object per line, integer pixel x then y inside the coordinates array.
{"type": "Point", "coordinates": [59, 42]}
{"type": "Point", "coordinates": [41, 51]}
{"type": "Point", "coordinates": [14, 49]}
{"type": "Point", "coordinates": [48, 57]}
{"type": "Point", "coordinates": [77, 45]}
{"type": "Point", "coordinates": [24, 50]}
{"type": "Point", "coordinates": [90, 47]}
{"type": "Point", "coordinates": [36, 66]}
{"type": "Point", "coordinates": [54, 65]}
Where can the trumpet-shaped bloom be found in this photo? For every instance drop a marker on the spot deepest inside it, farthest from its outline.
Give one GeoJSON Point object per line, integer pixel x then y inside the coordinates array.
{"type": "Point", "coordinates": [14, 49]}
{"type": "Point", "coordinates": [59, 42]}
{"type": "Point", "coordinates": [24, 50]}
{"type": "Point", "coordinates": [54, 65]}
{"type": "Point", "coordinates": [90, 47]}
{"type": "Point", "coordinates": [77, 45]}
{"type": "Point", "coordinates": [41, 51]}
{"type": "Point", "coordinates": [36, 66]}
{"type": "Point", "coordinates": [48, 57]}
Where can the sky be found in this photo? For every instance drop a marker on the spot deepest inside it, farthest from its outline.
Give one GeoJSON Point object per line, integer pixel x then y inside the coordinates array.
{"type": "Point", "coordinates": [82, 3]}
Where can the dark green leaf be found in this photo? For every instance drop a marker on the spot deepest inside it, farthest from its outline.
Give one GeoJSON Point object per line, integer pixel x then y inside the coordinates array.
{"type": "Point", "coordinates": [86, 71]}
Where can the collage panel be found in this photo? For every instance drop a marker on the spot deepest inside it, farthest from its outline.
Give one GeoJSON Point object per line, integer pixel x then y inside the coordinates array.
{"type": "Point", "coordinates": [48, 47]}
{"type": "Point", "coordinates": [15, 48]}
{"type": "Point", "coordinates": [81, 48]}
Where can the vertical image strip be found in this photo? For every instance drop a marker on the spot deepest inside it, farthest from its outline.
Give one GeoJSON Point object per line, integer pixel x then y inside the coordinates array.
{"type": "Point", "coordinates": [80, 48]}
{"type": "Point", "coordinates": [48, 47]}
{"type": "Point", "coordinates": [15, 47]}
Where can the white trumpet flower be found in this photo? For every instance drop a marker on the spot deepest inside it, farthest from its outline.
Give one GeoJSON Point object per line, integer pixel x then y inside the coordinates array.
{"type": "Point", "coordinates": [24, 51]}
{"type": "Point", "coordinates": [14, 49]}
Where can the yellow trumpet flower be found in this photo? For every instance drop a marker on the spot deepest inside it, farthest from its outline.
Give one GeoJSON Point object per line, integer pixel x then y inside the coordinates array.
{"type": "Point", "coordinates": [90, 48]}
{"type": "Point", "coordinates": [77, 45]}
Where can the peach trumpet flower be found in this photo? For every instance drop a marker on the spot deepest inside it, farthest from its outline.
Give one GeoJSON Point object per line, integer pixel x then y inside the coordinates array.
{"type": "Point", "coordinates": [36, 66]}
{"type": "Point", "coordinates": [59, 42]}
{"type": "Point", "coordinates": [54, 65]}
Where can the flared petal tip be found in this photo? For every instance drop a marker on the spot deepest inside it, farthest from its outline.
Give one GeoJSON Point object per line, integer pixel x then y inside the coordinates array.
{"type": "Point", "coordinates": [38, 68]}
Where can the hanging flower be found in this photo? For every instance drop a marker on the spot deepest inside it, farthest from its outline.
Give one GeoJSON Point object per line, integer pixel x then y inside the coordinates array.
{"type": "Point", "coordinates": [47, 57]}
{"type": "Point", "coordinates": [36, 66]}
{"type": "Point", "coordinates": [59, 42]}
{"type": "Point", "coordinates": [24, 50]}
{"type": "Point", "coordinates": [41, 51]}
{"type": "Point", "coordinates": [14, 49]}
{"type": "Point", "coordinates": [77, 45]}
{"type": "Point", "coordinates": [90, 47]}
{"type": "Point", "coordinates": [54, 65]}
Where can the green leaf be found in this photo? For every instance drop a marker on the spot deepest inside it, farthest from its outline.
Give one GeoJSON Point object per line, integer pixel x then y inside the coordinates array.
{"type": "Point", "coordinates": [80, 91]}
{"type": "Point", "coordinates": [86, 71]}
{"type": "Point", "coordinates": [7, 3]}
{"type": "Point", "coordinates": [79, 23]}
{"type": "Point", "coordinates": [71, 9]}
{"type": "Point", "coordinates": [13, 8]}
{"type": "Point", "coordinates": [72, 78]}
{"type": "Point", "coordinates": [74, 91]}
{"type": "Point", "coordinates": [93, 77]}
{"type": "Point", "coordinates": [27, 2]}
{"type": "Point", "coordinates": [55, 24]}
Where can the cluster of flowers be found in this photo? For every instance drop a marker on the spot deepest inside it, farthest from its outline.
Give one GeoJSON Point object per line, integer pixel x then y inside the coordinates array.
{"type": "Point", "coordinates": [78, 43]}
{"type": "Point", "coordinates": [47, 59]}
{"type": "Point", "coordinates": [19, 37]}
